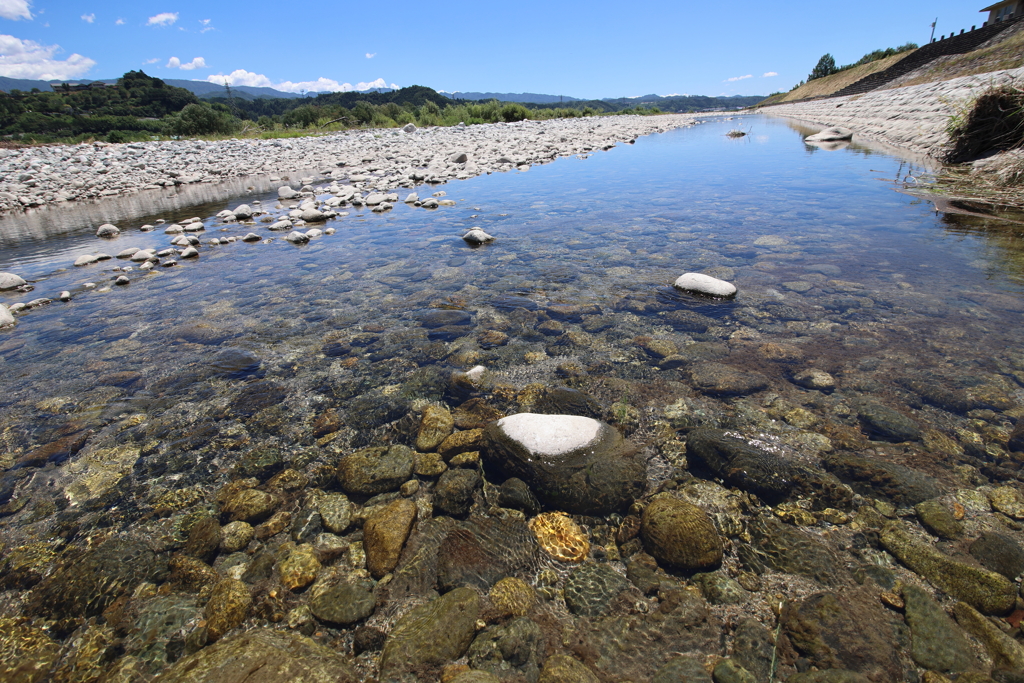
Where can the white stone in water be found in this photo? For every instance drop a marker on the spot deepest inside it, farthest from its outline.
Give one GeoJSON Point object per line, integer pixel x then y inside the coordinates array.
{"type": "Point", "coordinates": [142, 255]}
{"type": "Point", "coordinates": [107, 230]}
{"type": "Point", "coordinates": [191, 252]}
{"type": "Point", "coordinates": [830, 135]}
{"type": "Point", "coordinates": [173, 229]}
{"type": "Point", "coordinates": [122, 280]}
{"type": "Point", "coordinates": [550, 435]}
{"type": "Point", "coordinates": [375, 199]}
{"type": "Point", "coordinates": [286, 192]}
{"type": "Point", "coordinates": [90, 285]}
{"type": "Point", "coordinates": [10, 281]}
{"type": "Point", "coordinates": [329, 231]}
{"type": "Point", "coordinates": [475, 372]}
{"type": "Point", "coordinates": [148, 265]}
{"type": "Point", "coordinates": [6, 318]}
{"type": "Point", "coordinates": [314, 232]}
{"type": "Point", "coordinates": [65, 296]}
{"type": "Point", "coordinates": [296, 237]}
{"type": "Point", "coordinates": [127, 253]}
{"type": "Point", "coordinates": [251, 237]}
{"type": "Point", "coordinates": [705, 284]}
{"type": "Point", "coordinates": [242, 212]}
{"type": "Point", "coordinates": [412, 198]}
{"type": "Point", "coordinates": [86, 259]}
{"type": "Point", "coordinates": [312, 215]}
{"type": "Point", "coordinates": [477, 236]}
{"type": "Point", "coordinates": [146, 228]}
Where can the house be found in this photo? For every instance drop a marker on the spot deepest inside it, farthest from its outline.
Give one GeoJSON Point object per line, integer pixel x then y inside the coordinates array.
{"type": "Point", "coordinates": [1001, 11]}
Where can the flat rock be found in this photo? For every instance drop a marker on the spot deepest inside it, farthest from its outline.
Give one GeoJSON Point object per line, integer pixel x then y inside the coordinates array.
{"type": "Point", "coordinates": [831, 135]}
{"type": "Point", "coordinates": [572, 463]}
{"type": "Point", "coordinates": [370, 471]}
{"type": "Point", "coordinates": [10, 281]}
{"type": "Point", "coordinates": [937, 643]}
{"type": "Point", "coordinates": [741, 463]}
{"type": "Point", "coordinates": [385, 533]}
{"type": "Point", "coordinates": [344, 603]}
{"type": "Point", "coordinates": [719, 379]}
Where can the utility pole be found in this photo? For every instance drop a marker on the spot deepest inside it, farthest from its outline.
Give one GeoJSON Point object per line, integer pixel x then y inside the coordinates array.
{"type": "Point", "coordinates": [933, 29]}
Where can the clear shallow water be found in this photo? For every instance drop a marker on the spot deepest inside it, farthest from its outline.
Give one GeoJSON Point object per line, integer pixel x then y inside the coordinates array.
{"type": "Point", "coordinates": [835, 270]}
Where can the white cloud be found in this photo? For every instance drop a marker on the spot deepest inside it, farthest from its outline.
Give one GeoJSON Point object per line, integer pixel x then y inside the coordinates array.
{"type": "Point", "coordinates": [119, 22]}
{"type": "Point", "coordinates": [28, 59]}
{"type": "Point", "coordinates": [162, 19]}
{"type": "Point", "coordinates": [737, 78]}
{"type": "Point", "coordinates": [241, 77]}
{"type": "Point", "coordinates": [196, 63]}
{"type": "Point", "coordinates": [88, 18]}
{"type": "Point", "coordinates": [769, 74]}
{"type": "Point", "coordinates": [152, 61]}
{"type": "Point", "coordinates": [371, 55]}
{"type": "Point", "coordinates": [206, 26]}
{"type": "Point", "coordinates": [676, 94]}
{"type": "Point", "coordinates": [15, 9]}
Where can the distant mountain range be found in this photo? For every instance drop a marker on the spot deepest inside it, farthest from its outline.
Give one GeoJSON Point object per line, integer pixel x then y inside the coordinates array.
{"type": "Point", "coordinates": [524, 97]}
{"type": "Point", "coordinates": [671, 103]}
{"type": "Point", "coordinates": [202, 89]}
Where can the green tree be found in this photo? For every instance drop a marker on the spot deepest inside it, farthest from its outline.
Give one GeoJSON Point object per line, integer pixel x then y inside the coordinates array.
{"type": "Point", "coordinates": [826, 67]}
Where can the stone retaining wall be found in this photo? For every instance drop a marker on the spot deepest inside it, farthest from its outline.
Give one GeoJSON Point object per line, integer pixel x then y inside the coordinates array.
{"type": "Point", "coordinates": [914, 117]}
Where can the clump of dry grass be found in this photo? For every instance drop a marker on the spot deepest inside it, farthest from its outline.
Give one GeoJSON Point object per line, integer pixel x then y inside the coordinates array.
{"type": "Point", "coordinates": [736, 133]}
{"type": "Point", "coordinates": [994, 121]}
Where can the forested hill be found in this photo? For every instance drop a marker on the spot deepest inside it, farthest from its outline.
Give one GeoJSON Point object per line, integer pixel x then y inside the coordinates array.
{"type": "Point", "coordinates": [675, 103]}
{"type": "Point", "coordinates": [413, 95]}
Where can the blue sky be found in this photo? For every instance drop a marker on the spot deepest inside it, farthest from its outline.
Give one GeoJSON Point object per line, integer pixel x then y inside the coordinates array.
{"type": "Point", "coordinates": [589, 49]}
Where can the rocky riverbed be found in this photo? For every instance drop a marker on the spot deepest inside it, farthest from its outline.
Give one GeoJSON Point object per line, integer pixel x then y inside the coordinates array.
{"type": "Point", "coordinates": [381, 159]}
{"type": "Point", "coordinates": [385, 454]}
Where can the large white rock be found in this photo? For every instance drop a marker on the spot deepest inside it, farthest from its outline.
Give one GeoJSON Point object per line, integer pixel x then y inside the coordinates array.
{"type": "Point", "coordinates": [242, 211]}
{"type": "Point", "coordinates": [831, 135]}
{"type": "Point", "coordinates": [86, 259]}
{"type": "Point", "coordinates": [107, 230]}
{"type": "Point", "coordinates": [296, 237]}
{"type": "Point", "coordinates": [375, 199]}
{"type": "Point", "coordinates": [10, 281]}
{"type": "Point", "coordinates": [705, 284]}
{"type": "Point", "coordinates": [312, 215]}
{"type": "Point", "coordinates": [286, 192]}
{"type": "Point", "coordinates": [477, 236]}
{"type": "Point", "coordinates": [550, 434]}
{"type": "Point", "coordinates": [6, 318]}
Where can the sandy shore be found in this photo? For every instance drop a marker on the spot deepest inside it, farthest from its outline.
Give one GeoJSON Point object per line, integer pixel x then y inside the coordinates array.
{"type": "Point", "coordinates": [381, 159]}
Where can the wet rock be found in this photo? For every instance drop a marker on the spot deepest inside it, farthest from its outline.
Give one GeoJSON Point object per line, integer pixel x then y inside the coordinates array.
{"type": "Point", "coordinates": [999, 553]}
{"type": "Point", "coordinates": [461, 442]}
{"type": "Point", "coordinates": [829, 676]}
{"type": "Point", "coordinates": [938, 518]}
{"type": "Point", "coordinates": [107, 230]}
{"type": "Point", "coordinates": [1007, 500]}
{"type": "Point", "coordinates": [261, 463]}
{"type": "Point", "coordinates": [56, 451]}
{"type": "Point", "coordinates": [689, 321]}
{"type": "Point", "coordinates": [570, 462]}
{"type": "Point", "coordinates": [236, 536]}
{"type": "Point", "coordinates": [987, 591]}
{"type": "Point", "coordinates": [257, 396]}
{"type": "Point", "coordinates": [10, 281]}
{"type": "Point", "coordinates": [560, 536]}
{"type": "Point", "coordinates": [344, 603]}
{"type": "Point", "coordinates": [515, 494]}
{"type": "Point", "coordinates": [742, 464]}
{"type": "Point", "coordinates": [227, 607]}
{"type": "Point", "coordinates": [475, 414]}
{"type": "Point", "coordinates": [753, 648]}
{"type": "Point", "coordinates": [384, 535]}
{"type": "Point", "coordinates": [718, 379]}
{"type": "Point", "coordinates": [688, 668]}
{"type": "Point", "coordinates": [813, 378]}
{"type": "Point", "coordinates": [476, 236]}
{"type": "Point", "coordinates": [335, 512]}
{"type": "Point", "coordinates": [445, 317]}
{"type": "Point", "coordinates": [513, 647]}
{"type": "Point", "coordinates": [680, 534]}
{"type": "Point", "coordinates": [635, 646]}
{"type": "Point", "coordinates": [476, 677]}
{"type": "Point", "coordinates": [831, 135]}
{"type": "Point", "coordinates": [203, 539]}
{"type": "Point", "coordinates": [728, 671]}
{"type": "Point", "coordinates": [565, 401]}
{"type": "Point", "coordinates": [430, 635]}
{"type": "Point", "coordinates": [845, 630]}
{"type": "Point", "coordinates": [936, 642]}
{"type": "Point", "coordinates": [482, 550]}
{"type": "Point", "coordinates": [435, 426]}
{"type": "Point", "coordinates": [1005, 651]}
{"type": "Point", "coordinates": [719, 589]}
{"type": "Point", "coordinates": [262, 656]}
{"type": "Point", "coordinates": [300, 568]}
{"type": "Point", "coordinates": [590, 589]}
{"type": "Point", "coordinates": [235, 363]}
{"type": "Point", "coordinates": [250, 505]}
{"type": "Point", "coordinates": [375, 470]}
{"type": "Point", "coordinates": [784, 548]}
{"type": "Point", "coordinates": [562, 668]}
{"type": "Point", "coordinates": [883, 422]}
{"type": "Point", "coordinates": [84, 586]}
{"type": "Point", "coordinates": [27, 653]}
{"type": "Point", "coordinates": [877, 477]}
{"type": "Point", "coordinates": [453, 494]}
{"type": "Point", "coordinates": [706, 285]}
{"type": "Point", "coordinates": [512, 597]}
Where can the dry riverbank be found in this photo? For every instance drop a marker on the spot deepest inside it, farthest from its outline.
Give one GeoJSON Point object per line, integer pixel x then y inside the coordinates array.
{"type": "Point", "coordinates": [383, 159]}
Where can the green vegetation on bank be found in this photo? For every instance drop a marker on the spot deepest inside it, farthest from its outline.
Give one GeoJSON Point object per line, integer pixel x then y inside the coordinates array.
{"type": "Point", "coordinates": [141, 107]}
{"type": "Point", "coordinates": [826, 66]}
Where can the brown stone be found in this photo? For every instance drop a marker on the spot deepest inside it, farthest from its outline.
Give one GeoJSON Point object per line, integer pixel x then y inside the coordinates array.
{"type": "Point", "coordinates": [435, 425]}
{"type": "Point", "coordinates": [327, 423]}
{"type": "Point", "coordinates": [461, 442]}
{"type": "Point", "coordinates": [475, 414]}
{"type": "Point", "coordinates": [384, 534]}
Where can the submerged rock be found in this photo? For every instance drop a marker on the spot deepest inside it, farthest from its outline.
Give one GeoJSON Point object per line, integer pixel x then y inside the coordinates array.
{"type": "Point", "coordinates": [561, 537]}
{"type": "Point", "coordinates": [719, 379]}
{"type": "Point", "coordinates": [986, 591]}
{"type": "Point", "coordinates": [429, 636]}
{"type": "Point", "coordinates": [262, 655]}
{"type": "Point", "coordinates": [936, 642]}
{"type": "Point", "coordinates": [384, 535]}
{"type": "Point", "coordinates": [680, 534]}
{"type": "Point", "coordinates": [831, 135]}
{"type": "Point", "coordinates": [742, 464]}
{"type": "Point", "coordinates": [572, 463]}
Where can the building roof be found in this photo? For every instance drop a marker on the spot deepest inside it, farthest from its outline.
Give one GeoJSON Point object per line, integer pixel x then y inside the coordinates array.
{"type": "Point", "coordinates": [998, 4]}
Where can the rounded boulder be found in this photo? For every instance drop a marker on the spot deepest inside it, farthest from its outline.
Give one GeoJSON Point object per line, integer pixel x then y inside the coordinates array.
{"type": "Point", "coordinates": [680, 534]}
